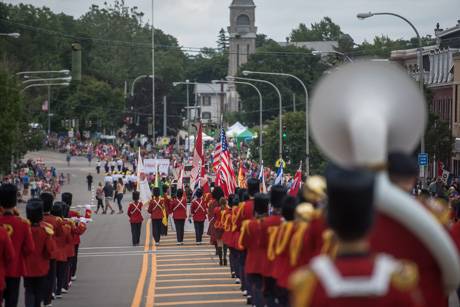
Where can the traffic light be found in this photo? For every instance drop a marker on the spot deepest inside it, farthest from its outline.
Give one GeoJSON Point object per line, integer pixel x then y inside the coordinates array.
{"type": "Point", "coordinates": [284, 132]}
{"type": "Point", "coordinates": [76, 62]}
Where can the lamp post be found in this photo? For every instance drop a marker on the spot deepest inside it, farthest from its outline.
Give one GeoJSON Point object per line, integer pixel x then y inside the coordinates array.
{"type": "Point", "coordinates": [231, 78]}
{"type": "Point", "coordinates": [137, 79]}
{"type": "Point", "coordinates": [319, 52]}
{"type": "Point", "coordinates": [13, 35]}
{"type": "Point", "coordinates": [153, 74]}
{"type": "Point", "coordinates": [62, 71]}
{"type": "Point", "coordinates": [260, 110]}
{"type": "Point", "coordinates": [307, 111]}
{"type": "Point", "coordinates": [420, 69]}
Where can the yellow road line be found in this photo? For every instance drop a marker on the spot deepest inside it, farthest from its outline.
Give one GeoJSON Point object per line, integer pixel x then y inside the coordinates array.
{"type": "Point", "coordinates": [193, 274]}
{"type": "Point", "coordinates": [193, 269]}
{"type": "Point", "coordinates": [193, 279]}
{"type": "Point", "coordinates": [196, 286]}
{"type": "Point", "coordinates": [137, 299]}
{"type": "Point", "coordinates": [185, 264]}
{"type": "Point", "coordinates": [174, 260]}
{"type": "Point", "coordinates": [202, 302]}
{"type": "Point", "coordinates": [197, 293]}
{"type": "Point", "coordinates": [153, 276]}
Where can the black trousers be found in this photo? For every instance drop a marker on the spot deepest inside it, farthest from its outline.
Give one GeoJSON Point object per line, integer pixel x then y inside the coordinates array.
{"type": "Point", "coordinates": [73, 261]}
{"type": "Point", "coordinates": [98, 169]}
{"type": "Point", "coordinates": [180, 225]}
{"type": "Point", "coordinates": [11, 293]}
{"type": "Point", "coordinates": [100, 204]}
{"type": "Point", "coordinates": [136, 232]}
{"type": "Point", "coordinates": [255, 282]}
{"type": "Point", "coordinates": [89, 186]}
{"type": "Point", "coordinates": [241, 263]}
{"type": "Point", "coordinates": [156, 229]}
{"type": "Point", "coordinates": [34, 287]}
{"type": "Point", "coordinates": [50, 283]}
{"type": "Point", "coordinates": [119, 197]}
{"type": "Point", "coordinates": [199, 228]}
{"type": "Point", "coordinates": [234, 262]}
{"type": "Point", "coordinates": [61, 274]}
{"type": "Point", "coordinates": [270, 291]}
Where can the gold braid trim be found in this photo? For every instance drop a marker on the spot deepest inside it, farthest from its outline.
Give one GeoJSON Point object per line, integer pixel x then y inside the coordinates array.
{"type": "Point", "coordinates": [406, 277]}
{"type": "Point", "coordinates": [283, 237]}
{"type": "Point", "coordinates": [235, 217]}
{"type": "Point", "coordinates": [244, 231]}
{"type": "Point", "coordinates": [302, 285]}
{"type": "Point", "coordinates": [329, 243]}
{"type": "Point", "coordinates": [272, 234]}
{"type": "Point", "coordinates": [296, 243]}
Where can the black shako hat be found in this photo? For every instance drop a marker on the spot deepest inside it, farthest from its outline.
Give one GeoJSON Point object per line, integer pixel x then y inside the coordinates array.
{"type": "Point", "coordinates": [277, 194]}
{"type": "Point", "coordinates": [402, 165]}
{"type": "Point", "coordinates": [136, 195]}
{"type": "Point", "coordinates": [47, 199]}
{"type": "Point", "coordinates": [350, 211]}
{"type": "Point", "coordinates": [34, 210]}
{"type": "Point", "coordinates": [67, 198]}
{"type": "Point", "coordinates": [217, 193]}
{"type": "Point", "coordinates": [199, 193]}
{"type": "Point", "coordinates": [261, 202]}
{"type": "Point", "coordinates": [58, 208]}
{"type": "Point", "coordinates": [8, 195]}
{"type": "Point", "coordinates": [253, 186]}
{"type": "Point", "coordinates": [289, 204]}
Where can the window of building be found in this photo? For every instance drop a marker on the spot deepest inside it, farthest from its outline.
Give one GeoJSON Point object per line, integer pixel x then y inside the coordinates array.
{"type": "Point", "coordinates": [206, 101]}
{"type": "Point", "coordinates": [206, 115]}
{"type": "Point", "coordinates": [243, 20]}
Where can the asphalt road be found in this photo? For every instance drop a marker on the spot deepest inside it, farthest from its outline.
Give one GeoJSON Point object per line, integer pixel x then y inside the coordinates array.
{"type": "Point", "coordinates": [113, 273]}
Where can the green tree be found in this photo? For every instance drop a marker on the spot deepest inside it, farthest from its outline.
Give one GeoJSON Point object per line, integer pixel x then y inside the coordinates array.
{"type": "Point", "coordinates": [295, 144]}
{"type": "Point", "coordinates": [222, 40]}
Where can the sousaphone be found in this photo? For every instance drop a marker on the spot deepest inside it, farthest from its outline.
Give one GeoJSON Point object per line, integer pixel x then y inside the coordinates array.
{"type": "Point", "coordinates": [360, 113]}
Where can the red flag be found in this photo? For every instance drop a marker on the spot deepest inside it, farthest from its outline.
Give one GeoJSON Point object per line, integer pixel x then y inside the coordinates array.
{"type": "Point", "coordinates": [297, 182]}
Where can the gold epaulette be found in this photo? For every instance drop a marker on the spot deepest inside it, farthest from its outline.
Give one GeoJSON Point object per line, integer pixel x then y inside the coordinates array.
{"type": "Point", "coordinates": [440, 210]}
{"type": "Point", "coordinates": [329, 246]}
{"type": "Point", "coordinates": [406, 277]}
{"type": "Point", "coordinates": [24, 220]}
{"type": "Point", "coordinates": [58, 218]}
{"type": "Point", "coordinates": [47, 229]}
{"type": "Point", "coordinates": [302, 285]}
{"type": "Point", "coordinates": [296, 243]}
{"type": "Point", "coordinates": [47, 224]}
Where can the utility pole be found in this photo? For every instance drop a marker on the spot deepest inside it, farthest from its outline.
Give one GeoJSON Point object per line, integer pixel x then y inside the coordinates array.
{"type": "Point", "coordinates": [49, 110]}
{"type": "Point", "coordinates": [153, 73]}
{"type": "Point", "coordinates": [164, 117]}
{"type": "Point", "coordinates": [293, 101]}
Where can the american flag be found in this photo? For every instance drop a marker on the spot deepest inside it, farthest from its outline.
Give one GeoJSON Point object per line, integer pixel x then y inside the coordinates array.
{"type": "Point", "coordinates": [225, 173]}
{"type": "Point", "coordinates": [216, 157]}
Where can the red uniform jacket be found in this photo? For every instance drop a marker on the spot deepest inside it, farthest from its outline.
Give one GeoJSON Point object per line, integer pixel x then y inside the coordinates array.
{"type": "Point", "coordinates": [250, 240]}
{"type": "Point", "coordinates": [156, 207]}
{"type": "Point", "coordinates": [269, 222]}
{"type": "Point", "coordinates": [79, 229]}
{"type": "Point", "coordinates": [282, 267]}
{"type": "Point", "coordinates": [63, 237]}
{"type": "Point", "coordinates": [198, 210]}
{"type": "Point", "coordinates": [6, 255]}
{"type": "Point", "coordinates": [21, 237]}
{"type": "Point", "coordinates": [135, 212]}
{"type": "Point", "coordinates": [56, 223]}
{"type": "Point", "coordinates": [218, 213]}
{"type": "Point", "coordinates": [212, 204]}
{"type": "Point", "coordinates": [227, 226]}
{"type": "Point", "coordinates": [393, 238]}
{"type": "Point", "coordinates": [69, 247]}
{"type": "Point", "coordinates": [38, 263]}
{"type": "Point", "coordinates": [355, 286]}
{"type": "Point", "coordinates": [178, 208]}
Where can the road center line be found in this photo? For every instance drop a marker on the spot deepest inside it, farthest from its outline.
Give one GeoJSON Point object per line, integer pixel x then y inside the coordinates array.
{"type": "Point", "coordinates": [137, 299]}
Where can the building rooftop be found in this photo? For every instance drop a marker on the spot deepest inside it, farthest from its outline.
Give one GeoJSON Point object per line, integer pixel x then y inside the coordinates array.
{"type": "Point", "coordinates": [242, 3]}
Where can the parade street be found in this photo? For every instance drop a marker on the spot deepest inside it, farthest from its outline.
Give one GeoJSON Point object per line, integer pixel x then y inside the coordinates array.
{"type": "Point", "coordinates": [113, 273]}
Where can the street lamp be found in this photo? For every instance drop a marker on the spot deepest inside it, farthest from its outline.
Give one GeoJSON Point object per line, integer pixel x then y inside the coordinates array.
{"type": "Point", "coordinates": [319, 52]}
{"type": "Point", "coordinates": [62, 71]}
{"type": "Point", "coordinates": [307, 111]}
{"type": "Point", "coordinates": [420, 69]}
{"type": "Point", "coordinates": [260, 110]}
{"type": "Point", "coordinates": [231, 78]}
{"type": "Point", "coordinates": [137, 79]}
{"type": "Point", "coordinates": [67, 79]}
{"type": "Point", "coordinates": [13, 35]}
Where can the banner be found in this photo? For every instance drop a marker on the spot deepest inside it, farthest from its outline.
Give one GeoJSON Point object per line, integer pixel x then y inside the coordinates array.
{"type": "Point", "coordinates": [151, 164]}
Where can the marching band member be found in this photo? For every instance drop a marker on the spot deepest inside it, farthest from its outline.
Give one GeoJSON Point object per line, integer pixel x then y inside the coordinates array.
{"type": "Point", "coordinates": [227, 236]}
{"type": "Point", "coordinates": [20, 234]}
{"type": "Point", "coordinates": [6, 257]}
{"type": "Point", "coordinates": [356, 276]}
{"type": "Point", "coordinates": [250, 240]}
{"type": "Point", "coordinates": [178, 209]}
{"type": "Point", "coordinates": [198, 211]}
{"type": "Point", "coordinates": [166, 201]}
{"type": "Point", "coordinates": [219, 213]}
{"type": "Point", "coordinates": [212, 204]}
{"type": "Point", "coordinates": [156, 209]}
{"type": "Point", "coordinates": [135, 218]}
{"type": "Point", "coordinates": [268, 232]}
{"type": "Point", "coordinates": [37, 263]}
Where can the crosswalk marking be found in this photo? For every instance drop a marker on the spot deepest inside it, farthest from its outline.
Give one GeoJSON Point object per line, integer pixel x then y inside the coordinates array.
{"type": "Point", "coordinates": [193, 274]}
{"type": "Point", "coordinates": [196, 293]}
{"type": "Point", "coordinates": [185, 264]}
{"type": "Point", "coordinates": [196, 286]}
{"type": "Point", "coordinates": [194, 269]}
{"type": "Point", "coordinates": [194, 279]}
{"type": "Point", "coordinates": [229, 301]}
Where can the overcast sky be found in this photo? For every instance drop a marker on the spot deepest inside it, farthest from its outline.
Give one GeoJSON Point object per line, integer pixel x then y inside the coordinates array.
{"type": "Point", "coordinates": [196, 22]}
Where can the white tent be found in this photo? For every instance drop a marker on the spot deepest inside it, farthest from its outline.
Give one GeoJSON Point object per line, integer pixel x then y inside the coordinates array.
{"type": "Point", "coordinates": [235, 129]}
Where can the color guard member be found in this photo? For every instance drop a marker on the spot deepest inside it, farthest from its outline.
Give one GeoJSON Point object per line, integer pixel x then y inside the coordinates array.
{"type": "Point", "coordinates": [156, 209]}
{"type": "Point", "coordinates": [198, 211]}
{"type": "Point", "coordinates": [178, 209]}
{"type": "Point", "coordinates": [135, 218]}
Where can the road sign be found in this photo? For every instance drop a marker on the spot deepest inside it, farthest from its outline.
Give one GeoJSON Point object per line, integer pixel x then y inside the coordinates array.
{"type": "Point", "coordinates": [423, 159]}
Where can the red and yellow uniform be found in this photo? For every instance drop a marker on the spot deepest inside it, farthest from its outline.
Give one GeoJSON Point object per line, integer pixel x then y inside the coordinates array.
{"type": "Point", "coordinates": [282, 268]}
{"type": "Point", "coordinates": [227, 225]}
{"type": "Point", "coordinates": [393, 238]}
{"type": "Point", "coordinates": [62, 235]}
{"type": "Point", "coordinates": [20, 234]}
{"type": "Point", "coordinates": [7, 255]}
{"type": "Point", "coordinates": [268, 234]}
{"type": "Point", "coordinates": [156, 208]}
{"type": "Point", "coordinates": [37, 263]}
{"type": "Point", "coordinates": [363, 280]}
{"type": "Point", "coordinates": [250, 241]}
{"type": "Point", "coordinates": [56, 223]}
